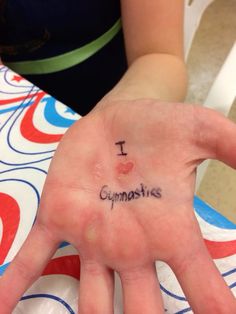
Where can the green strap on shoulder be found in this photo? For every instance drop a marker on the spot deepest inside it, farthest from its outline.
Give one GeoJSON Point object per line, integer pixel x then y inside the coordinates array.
{"type": "Point", "coordinates": [65, 60]}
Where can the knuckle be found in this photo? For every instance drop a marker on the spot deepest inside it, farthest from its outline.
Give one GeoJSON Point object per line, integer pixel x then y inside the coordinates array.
{"type": "Point", "coordinates": [25, 270]}
{"type": "Point", "coordinates": [93, 268]}
{"type": "Point", "coordinates": [133, 276]}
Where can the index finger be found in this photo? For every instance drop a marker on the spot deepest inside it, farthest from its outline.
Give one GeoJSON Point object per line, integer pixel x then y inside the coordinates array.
{"type": "Point", "coordinates": [26, 267]}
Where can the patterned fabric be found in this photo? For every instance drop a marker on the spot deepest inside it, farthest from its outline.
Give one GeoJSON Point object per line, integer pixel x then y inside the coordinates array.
{"type": "Point", "coordinates": [31, 126]}
{"type": "Point", "coordinates": [42, 29]}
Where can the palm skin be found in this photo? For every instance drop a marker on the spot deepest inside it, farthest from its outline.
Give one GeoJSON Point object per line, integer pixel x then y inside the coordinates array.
{"type": "Point", "coordinates": [162, 144]}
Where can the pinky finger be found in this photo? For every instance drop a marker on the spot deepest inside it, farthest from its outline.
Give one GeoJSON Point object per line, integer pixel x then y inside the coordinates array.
{"type": "Point", "coordinates": [204, 286]}
{"type": "Point", "coordinates": [26, 267]}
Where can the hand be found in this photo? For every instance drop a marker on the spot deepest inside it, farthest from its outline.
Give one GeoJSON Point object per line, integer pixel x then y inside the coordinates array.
{"type": "Point", "coordinates": [120, 189]}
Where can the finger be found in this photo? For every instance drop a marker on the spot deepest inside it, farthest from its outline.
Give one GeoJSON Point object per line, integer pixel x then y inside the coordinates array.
{"type": "Point", "coordinates": [203, 285]}
{"type": "Point", "coordinates": [217, 134]}
{"type": "Point", "coordinates": [141, 291]}
{"type": "Point", "coordinates": [26, 267]}
{"type": "Point", "coordinates": [96, 288]}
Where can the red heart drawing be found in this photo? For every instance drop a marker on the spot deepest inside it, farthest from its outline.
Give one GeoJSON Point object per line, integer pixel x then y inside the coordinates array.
{"type": "Point", "coordinates": [124, 168]}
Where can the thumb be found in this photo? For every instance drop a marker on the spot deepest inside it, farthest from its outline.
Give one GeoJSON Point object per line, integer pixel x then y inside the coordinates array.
{"type": "Point", "coordinates": [217, 135]}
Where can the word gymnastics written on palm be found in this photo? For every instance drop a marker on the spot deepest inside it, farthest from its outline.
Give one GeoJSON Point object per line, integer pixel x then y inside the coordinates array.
{"type": "Point", "coordinates": [106, 194]}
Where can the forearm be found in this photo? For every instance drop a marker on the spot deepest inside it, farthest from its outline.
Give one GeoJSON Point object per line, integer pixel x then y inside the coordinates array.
{"type": "Point", "coordinates": [158, 76]}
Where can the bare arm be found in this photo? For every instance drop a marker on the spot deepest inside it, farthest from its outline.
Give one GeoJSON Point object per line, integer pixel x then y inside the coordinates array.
{"type": "Point", "coordinates": [154, 45]}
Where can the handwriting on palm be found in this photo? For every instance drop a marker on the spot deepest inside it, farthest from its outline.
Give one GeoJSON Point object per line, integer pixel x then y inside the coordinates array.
{"type": "Point", "coordinates": [87, 160]}
{"type": "Point", "coordinates": [120, 189]}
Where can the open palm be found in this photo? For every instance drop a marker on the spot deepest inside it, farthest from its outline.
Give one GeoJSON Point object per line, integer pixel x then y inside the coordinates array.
{"type": "Point", "coordinates": [120, 189]}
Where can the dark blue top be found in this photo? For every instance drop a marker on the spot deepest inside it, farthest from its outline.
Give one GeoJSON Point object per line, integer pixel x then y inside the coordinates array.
{"type": "Point", "coordinates": [58, 26]}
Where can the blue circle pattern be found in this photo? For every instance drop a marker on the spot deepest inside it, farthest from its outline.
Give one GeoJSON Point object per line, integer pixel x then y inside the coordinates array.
{"type": "Point", "coordinates": [49, 296]}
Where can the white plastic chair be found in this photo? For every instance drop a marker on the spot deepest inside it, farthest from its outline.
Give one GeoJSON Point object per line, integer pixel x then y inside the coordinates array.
{"type": "Point", "coordinates": [194, 10]}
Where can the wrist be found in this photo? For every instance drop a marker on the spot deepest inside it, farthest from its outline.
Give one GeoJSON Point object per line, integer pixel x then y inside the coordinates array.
{"type": "Point", "coordinates": [155, 76]}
